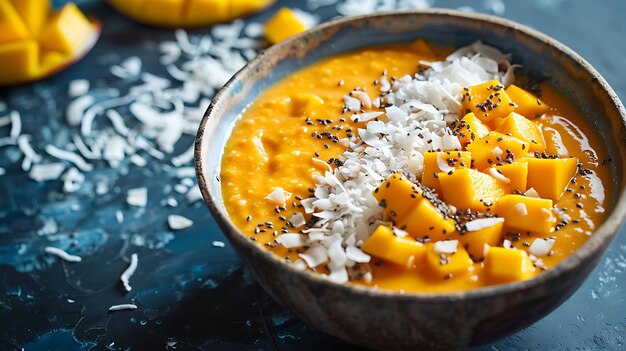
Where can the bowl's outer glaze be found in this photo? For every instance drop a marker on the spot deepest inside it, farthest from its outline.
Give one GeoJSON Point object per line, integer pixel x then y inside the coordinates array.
{"type": "Point", "coordinates": [389, 320]}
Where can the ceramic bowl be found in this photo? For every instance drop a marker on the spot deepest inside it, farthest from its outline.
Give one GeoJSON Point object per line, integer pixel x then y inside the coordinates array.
{"type": "Point", "coordinates": [386, 319]}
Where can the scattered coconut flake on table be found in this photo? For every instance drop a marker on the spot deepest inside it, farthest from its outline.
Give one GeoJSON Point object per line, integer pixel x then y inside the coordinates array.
{"type": "Point", "coordinates": [122, 307]}
{"type": "Point", "coordinates": [62, 254]}
{"type": "Point", "coordinates": [217, 243]}
{"type": "Point", "coordinates": [178, 222]}
{"type": "Point", "coordinates": [137, 197]}
{"type": "Point", "coordinates": [125, 277]}
{"type": "Point", "coordinates": [45, 172]}
{"type": "Point", "coordinates": [78, 87]}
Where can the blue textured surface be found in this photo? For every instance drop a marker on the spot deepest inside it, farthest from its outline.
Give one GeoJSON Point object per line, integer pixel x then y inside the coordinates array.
{"type": "Point", "coordinates": [195, 296]}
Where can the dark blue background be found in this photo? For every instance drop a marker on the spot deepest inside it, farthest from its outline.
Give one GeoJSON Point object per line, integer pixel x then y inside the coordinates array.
{"type": "Point", "coordinates": [195, 296]}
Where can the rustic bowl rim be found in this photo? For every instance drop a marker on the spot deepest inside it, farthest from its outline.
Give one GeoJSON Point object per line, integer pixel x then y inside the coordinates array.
{"type": "Point", "coordinates": [607, 230]}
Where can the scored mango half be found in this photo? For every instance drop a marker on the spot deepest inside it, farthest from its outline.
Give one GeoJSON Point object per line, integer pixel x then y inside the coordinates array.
{"type": "Point", "coordinates": [187, 13]}
{"type": "Point", "coordinates": [35, 42]}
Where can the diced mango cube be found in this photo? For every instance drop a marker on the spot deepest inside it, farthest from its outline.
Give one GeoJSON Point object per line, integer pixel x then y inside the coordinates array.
{"type": "Point", "coordinates": [18, 61]}
{"type": "Point", "coordinates": [383, 244]}
{"type": "Point", "coordinates": [526, 213]}
{"type": "Point", "coordinates": [488, 101]}
{"type": "Point", "coordinates": [421, 47]}
{"type": "Point", "coordinates": [12, 28]}
{"type": "Point", "coordinates": [306, 104]}
{"type": "Point", "coordinates": [496, 148]}
{"type": "Point", "coordinates": [34, 13]}
{"type": "Point", "coordinates": [549, 177]}
{"type": "Point", "coordinates": [168, 12]}
{"type": "Point", "coordinates": [469, 188]}
{"type": "Point", "coordinates": [507, 265]}
{"type": "Point", "coordinates": [66, 31]}
{"type": "Point", "coordinates": [469, 129]}
{"type": "Point", "coordinates": [426, 220]}
{"type": "Point", "coordinates": [286, 23]}
{"type": "Point", "coordinates": [516, 173]}
{"type": "Point", "coordinates": [526, 103]}
{"type": "Point", "coordinates": [432, 160]}
{"type": "Point", "coordinates": [397, 195]}
{"type": "Point", "coordinates": [524, 129]}
{"type": "Point", "coordinates": [446, 265]}
{"type": "Point", "coordinates": [199, 12]}
{"type": "Point", "coordinates": [474, 241]}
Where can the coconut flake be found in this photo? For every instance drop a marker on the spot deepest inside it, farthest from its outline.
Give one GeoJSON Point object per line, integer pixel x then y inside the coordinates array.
{"type": "Point", "coordinates": [62, 254]}
{"type": "Point", "coordinates": [446, 246]}
{"type": "Point", "coordinates": [291, 240]}
{"type": "Point", "coordinates": [178, 222]}
{"type": "Point", "coordinates": [352, 104]}
{"type": "Point", "coordinates": [314, 256]}
{"type": "Point", "coordinates": [278, 196]}
{"type": "Point", "coordinates": [507, 244]}
{"type": "Point", "coordinates": [356, 255]}
{"type": "Point", "coordinates": [366, 116]}
{"type": "Point", "coordinates": [76, 109]}
{"type": "Point", "coordinates": [443, 164]}
{"type": "Point", "coordinates": [482, 223]}
{"type": "Point", "coordinates": [137, 197]}
{"type": "Point", "coordinates": [497, 175]}
{"type": "Point", "coordinates": [125, 277]}
{"type": "Point", "coordinates": [541, 247]}
{"type": "Point", "coordinates": [532, 193]}
{"type": "Point", "coordinates": [297, 220]}
{"type": "Point", "coordinates": [521, 209]}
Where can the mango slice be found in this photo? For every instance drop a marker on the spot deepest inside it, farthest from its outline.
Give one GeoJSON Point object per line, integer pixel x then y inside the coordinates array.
{"type": "Point", "coordinates": [526, 213]}
{"type": "Point", "coordinates": [306, 104]}
{"type": "Point", "coordinates": [447, 265]}
{"type": "Point", "coordinates": [187, 13]}
{"type": "Point", "coordinates": [488, 101]}
{"type": "Point", "coordinates": [397, 195]}
{"type": "Point", "coordinates": [18, 60]}
{"type": "Point", "coordinates": [383, 244]}
{"type": "Point", "coordinates": [425, 220]}
{"type": "Point", "coordinates": [469, 129]}
{"type": "Point", "coordinates": [507, 265]}
{"type": "Point", "coordinates": [66, 31]}
{"type": "Point", "coordinates": [516, 173]}
{"type": "Point", "coordinates": [469, 188]}
{"type": "Point", "coordinates": [433, 161]}
{"type": "Point", "coordinates": [474, 242]}
{"type": "Point", "coordinates": [549, 177]}
{"type": "Point", "coordinates": [527, 104]}
{"type": "Point", "coordinates": [496, 149]}
{"type": "Point", "coordinates": [34, 14]}
{"type": "Point", "coordinates": [524, 129]}
{"type": "Point", "coordinates": [12, 28]}
{"type": "Point", "coordinates": [286, 23]}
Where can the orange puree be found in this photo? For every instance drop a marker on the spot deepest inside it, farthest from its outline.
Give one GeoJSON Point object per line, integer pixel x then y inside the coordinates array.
{"type": "Point", "coordinates": [275, 142]}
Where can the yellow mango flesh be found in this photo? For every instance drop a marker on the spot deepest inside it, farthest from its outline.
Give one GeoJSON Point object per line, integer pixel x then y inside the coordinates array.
{"type": "Point", "coordinates": [12, 28]}
{"type": "Point", "coordinates": [34, 14]}
{"type": "Point", "coordinates": [424, 220]}
{"type": "Point", "coordinates": [18, 60]}
{"type": "Point", "coordinates": [383, 244]}
{"type": "Point", "coordinates": [454, 159]}
{"type": "Point", "coordinates": [485, 153]}
{"type": "Point", "coordinates": [469, 188]}
{"type": "Point", "coordinates": [469, 129]}
{"type": "Point", "coordinates": [526, 103]}
{"type": "Point", "coordinates": [522, 128]}
{"type": "Point", "coordinates": [447, 265]}
{"type": "Point", "coordinates": [52, 60]}
{"type": "Point", "coordinates": [474, 242]}
{"type": "Point", "coordinates": [397, 195]}
{"type": "Point", "coordinates": [550, 177]}
{"type": "Point", "coordinates": [169, 12]}
{"type": "Point", "coordinates": [199, 11]}
{"type": "Point", "coordinates": [517, 173]}
{"type": "Point", "coordinates": [286, 23]}
{"type": "Point", "coordinates": [67, 31]}
{"type": "Point", "coordinates": [488, 101]}
{"type": "Point", "coordinates": [526, 213]}
{"type": "Point", "coordinates": [506, 265]}
{"type": "Point", "coordinates": [306, 104]}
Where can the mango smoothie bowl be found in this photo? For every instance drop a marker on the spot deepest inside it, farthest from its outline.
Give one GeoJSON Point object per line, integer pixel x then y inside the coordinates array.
{"type": "Point", "coordinates": [407, 180]}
